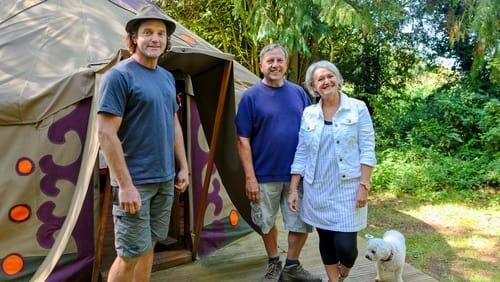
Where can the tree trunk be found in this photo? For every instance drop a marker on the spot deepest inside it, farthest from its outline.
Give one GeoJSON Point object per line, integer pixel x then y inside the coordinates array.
{"type": "Point", "coordinates": [293, 67]}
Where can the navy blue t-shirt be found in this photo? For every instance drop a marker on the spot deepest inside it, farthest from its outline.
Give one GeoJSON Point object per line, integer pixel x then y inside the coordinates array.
{"type": "Point", "coordinates": [270, 117]}
{"type": "Point", "coordinates": [145, 99]}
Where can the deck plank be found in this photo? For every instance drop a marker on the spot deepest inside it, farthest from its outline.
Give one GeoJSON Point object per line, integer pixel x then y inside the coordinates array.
{"type": "Point", "coordinates": [245, 260]}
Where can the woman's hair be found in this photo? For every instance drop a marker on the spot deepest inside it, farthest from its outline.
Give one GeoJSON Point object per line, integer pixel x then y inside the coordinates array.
{"type": "Point", "coordinates": [131, 46]}
{"type": "Point", "coordinates": [308, 83]}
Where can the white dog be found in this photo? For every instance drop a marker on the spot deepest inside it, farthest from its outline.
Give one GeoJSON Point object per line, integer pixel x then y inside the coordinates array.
{"type": "Point", "coordinates": [389, 253]}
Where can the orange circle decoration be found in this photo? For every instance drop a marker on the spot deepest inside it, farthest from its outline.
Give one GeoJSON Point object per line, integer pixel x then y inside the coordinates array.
{"type": "Point", "coordinates": [12, 264]}
{"type": "Point", "coordinates": [25, 166]}
{"type": "Point", "coordinates": [234, 218]}
{"type": "Point", "coordinates": [19, 213]}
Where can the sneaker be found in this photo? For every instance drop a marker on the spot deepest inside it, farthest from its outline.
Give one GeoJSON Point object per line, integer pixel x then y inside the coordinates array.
{"type": "Point", "coordinates": [298, 273]}
{"type": "Point", "coordinates": [273, 272]}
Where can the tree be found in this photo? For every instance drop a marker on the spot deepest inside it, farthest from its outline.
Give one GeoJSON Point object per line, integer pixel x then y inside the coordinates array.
{"type": "Point", "coordinates": [466, 30]}
{"type": "Point", "coordinates": [362, 37]}
{"type": "Point", "coordinates": [215, 21]}
{"type": "Point", "coordinates": [302, 26]}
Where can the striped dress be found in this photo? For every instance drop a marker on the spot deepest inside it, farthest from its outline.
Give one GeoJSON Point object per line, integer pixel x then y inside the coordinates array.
{"type": "Point", "coordinates": [329, 202]}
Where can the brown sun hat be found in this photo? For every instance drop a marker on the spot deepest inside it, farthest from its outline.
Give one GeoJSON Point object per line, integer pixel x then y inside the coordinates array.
{"type": "Point", "coordinates": [150, 12]}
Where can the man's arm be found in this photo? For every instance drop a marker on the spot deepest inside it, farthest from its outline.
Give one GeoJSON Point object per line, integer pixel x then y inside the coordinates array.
{"type": "Point", "coordinates": [108, 126]}
{"type": "Point", "coordinates": [251, 184]}
{"type": "Point", "coordinates": [182, 177]}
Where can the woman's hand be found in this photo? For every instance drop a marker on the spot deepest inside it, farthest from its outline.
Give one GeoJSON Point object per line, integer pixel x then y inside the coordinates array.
{"type": "Point", "coordinates": [361, 196]}
{"type": "Point", "coordinates": [293, 200]}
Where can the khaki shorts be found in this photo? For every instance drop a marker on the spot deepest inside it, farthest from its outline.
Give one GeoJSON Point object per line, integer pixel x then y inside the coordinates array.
{"type": "Point", "coordinates": [134, 233]}
{"type": "Point", "coordinates": [272, 196]}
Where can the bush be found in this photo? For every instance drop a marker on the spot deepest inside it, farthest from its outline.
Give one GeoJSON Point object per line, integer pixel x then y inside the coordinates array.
{"type": "Point", "coordinates": [433, 138]}
{"type": "Point", "coordinates": [489, 125]}
{"type": "Point", "coordinates": [426, 172]}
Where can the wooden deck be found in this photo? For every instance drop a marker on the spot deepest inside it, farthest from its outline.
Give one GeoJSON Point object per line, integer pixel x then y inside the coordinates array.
{"type": "Point", "coordinates": [245, 260]}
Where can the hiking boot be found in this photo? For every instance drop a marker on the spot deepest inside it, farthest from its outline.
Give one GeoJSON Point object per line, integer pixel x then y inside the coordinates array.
{"type": "Point", "coordinates": [273, 272]}
{"type": "Point", "coordinates": [298, 273]}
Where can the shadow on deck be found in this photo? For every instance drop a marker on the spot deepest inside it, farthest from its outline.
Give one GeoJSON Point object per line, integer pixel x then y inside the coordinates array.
{"type": "Point", "coordinates": [245, 260]}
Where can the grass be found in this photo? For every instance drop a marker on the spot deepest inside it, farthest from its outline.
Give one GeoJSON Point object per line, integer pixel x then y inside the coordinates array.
{"type": "Point", "coordinates": [452, 240]}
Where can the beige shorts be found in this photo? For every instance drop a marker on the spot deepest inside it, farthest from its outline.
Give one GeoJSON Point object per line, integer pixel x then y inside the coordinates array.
{"type": "Point", "coordinates": [272, 196]}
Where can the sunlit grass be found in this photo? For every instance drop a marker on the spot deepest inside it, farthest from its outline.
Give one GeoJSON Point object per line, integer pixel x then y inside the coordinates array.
{"type": "Point", "coordinates": [453, 241]}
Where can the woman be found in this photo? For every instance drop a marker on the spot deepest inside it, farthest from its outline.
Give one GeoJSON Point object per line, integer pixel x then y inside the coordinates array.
{"type": "Point", "coordinates": [335, 157]}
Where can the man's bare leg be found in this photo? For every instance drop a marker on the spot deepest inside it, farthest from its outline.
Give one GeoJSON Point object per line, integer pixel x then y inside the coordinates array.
{"type": "Point", "coordinates": [122, 269]}
{"type": "Point", "coordinates": [271, 242]}
{"type": "Point", "coordinates": [296, 242]}
{"type": "Point", "coordinates": [142, 270]}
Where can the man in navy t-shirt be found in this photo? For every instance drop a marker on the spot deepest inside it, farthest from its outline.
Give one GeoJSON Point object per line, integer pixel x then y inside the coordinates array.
{"type": "Point", "coordinates": [141, 137]}
{"type": "Point", "coordinates": [268, 122]}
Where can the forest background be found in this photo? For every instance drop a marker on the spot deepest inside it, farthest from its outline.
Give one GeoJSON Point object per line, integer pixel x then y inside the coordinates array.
{"type": "Point", "coordinates": [428, 70]}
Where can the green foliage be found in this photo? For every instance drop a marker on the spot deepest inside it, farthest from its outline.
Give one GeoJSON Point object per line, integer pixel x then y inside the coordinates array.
{"type": "Point", "coordinates": [295, 24]}
{"type": "Point", "coordinates": [362, 37]}
{"type": "Point", "coordinates": [490, 137]}
{"type": "Point", "coordinates": [477, 20]}
{"type": "Point", "coordinates": [436, 137]}
{"type": "Point", "coordinates": [436, 130]}
{"type": "Point", "coordinates": [467, 31]}
{"type": "Point", "coordinates": [219, 22]}
{"type": "Point", "coordinates": [425, 172]}
{"type": "Point", "coordinates": [445, 118]}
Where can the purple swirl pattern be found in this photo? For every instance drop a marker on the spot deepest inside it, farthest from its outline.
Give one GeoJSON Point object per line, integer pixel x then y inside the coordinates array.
{"type": "Point", "coordinates": [51, 224]}
{"type": "Point", "coordinates": [214, 197]}
{"type": "Point", "coordinates": [81, 268]}
{"type": "Point", "coordinates": [199, 162]}
{"type": "Point", "coordinates": [213, 234]}
{"type": "Point", "coordinates": [77, 121]}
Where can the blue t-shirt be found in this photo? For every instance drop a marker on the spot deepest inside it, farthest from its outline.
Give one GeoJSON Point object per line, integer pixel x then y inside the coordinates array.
{"type": "Point", "coordinates": [270, 117]}
{"type": "Point", "coordinates": [145, 99]}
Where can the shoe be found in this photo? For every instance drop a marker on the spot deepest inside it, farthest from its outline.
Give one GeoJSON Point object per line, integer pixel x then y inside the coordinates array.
{"type": "Point", "coordinates": [298, 273]}
{"type": "Point", "coordinates": [273, 272]}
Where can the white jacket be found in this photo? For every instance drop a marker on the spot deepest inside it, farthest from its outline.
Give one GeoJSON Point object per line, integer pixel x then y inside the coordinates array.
{"type": "Point", "coordinates": [354, 139]}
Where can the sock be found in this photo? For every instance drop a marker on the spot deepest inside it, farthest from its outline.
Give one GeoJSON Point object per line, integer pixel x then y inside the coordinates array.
{"type": "Point", "coordinates": [274, 260]}
{"type": "Point", "coordinates": [290, 262]}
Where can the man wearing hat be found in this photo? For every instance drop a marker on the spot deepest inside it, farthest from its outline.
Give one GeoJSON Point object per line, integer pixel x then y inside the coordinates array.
{"type": "Point", "coordinates": [141, 138]}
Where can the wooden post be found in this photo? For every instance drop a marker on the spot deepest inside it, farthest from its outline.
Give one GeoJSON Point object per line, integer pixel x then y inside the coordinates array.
{"type": "Point", "coordinates": [96, 268]}
{"type": "Point", "coordinates": [211, 156]}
